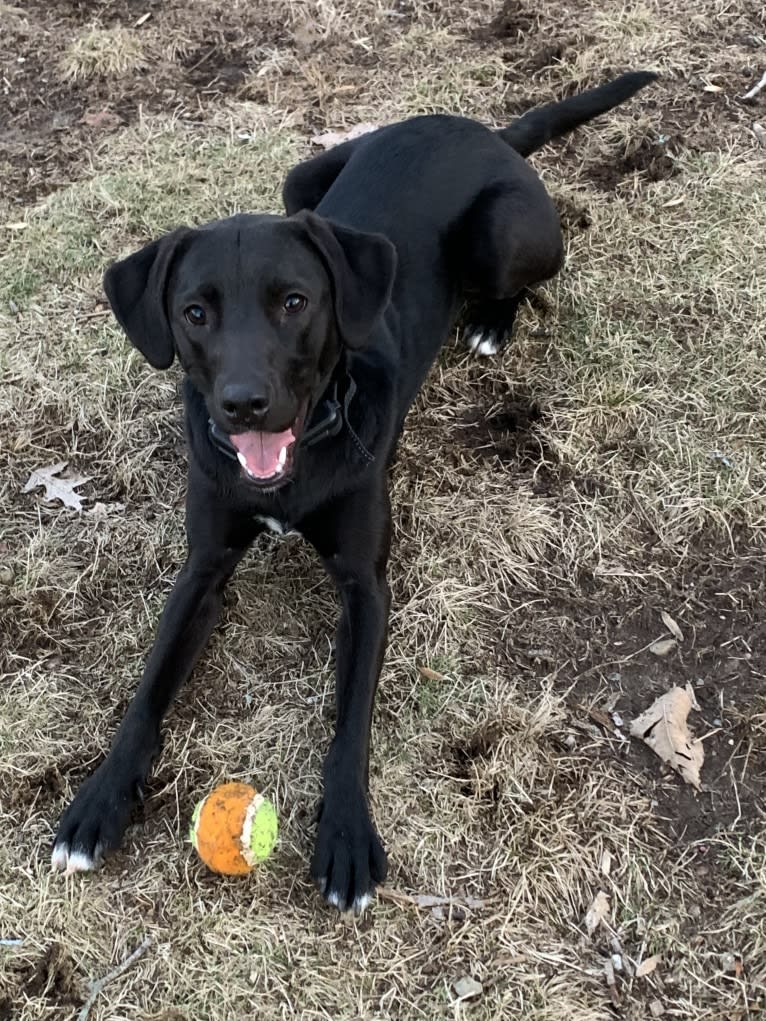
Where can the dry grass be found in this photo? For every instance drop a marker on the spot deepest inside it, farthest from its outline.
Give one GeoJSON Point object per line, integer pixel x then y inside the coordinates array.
{"type": "Point", "coordinates": [547, 507]}
{"type": "Point", "coordinates": [103, 52]}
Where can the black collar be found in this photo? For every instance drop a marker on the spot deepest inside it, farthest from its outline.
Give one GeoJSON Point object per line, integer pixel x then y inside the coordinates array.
{"type": "Point", "coordinates": [327, 419]}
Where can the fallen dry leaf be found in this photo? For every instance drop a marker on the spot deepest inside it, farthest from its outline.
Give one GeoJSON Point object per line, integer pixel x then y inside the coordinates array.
{"type": "Point", "coordinates": [431, 675]}
{"type": "Point", "coordinates": [57, 488]}
{"type": "Point", "coordinates": [330, 138]}
{"type": "Point", "coordinates": [467, 988]}
{"type": "Point", "coordinates": [104, 510]}
{"type": "Point", "coordinates": [102, 120]}
{"type": "Point", "coordinates": [601, 717]}
{"type": "Point", "coordinates": [647, 966]}
{"type": "Point", "coordinates": [760, 133]}
{"type": "Point", "coordinates": [656, 1009]}
{"type": "Point", "coordinates": [663, 647]}
{"type": "Point", "coordinates": [597, 912]}
{"type": "Point", "coordinates": [672, 627]}
{"type": "Point", "coordinates": [663, 727]}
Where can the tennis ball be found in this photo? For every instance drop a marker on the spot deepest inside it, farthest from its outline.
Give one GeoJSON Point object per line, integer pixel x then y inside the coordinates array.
{"type": "Point", "coordinates": [233, 829]}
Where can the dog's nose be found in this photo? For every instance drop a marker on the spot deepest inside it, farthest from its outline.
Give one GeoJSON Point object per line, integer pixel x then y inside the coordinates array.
{"type": "Point", "coordinates": [241, 402]}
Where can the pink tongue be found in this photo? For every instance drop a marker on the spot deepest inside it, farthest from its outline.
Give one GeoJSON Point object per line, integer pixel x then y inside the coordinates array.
{"type": "Point", "coordinates": [261, 451]}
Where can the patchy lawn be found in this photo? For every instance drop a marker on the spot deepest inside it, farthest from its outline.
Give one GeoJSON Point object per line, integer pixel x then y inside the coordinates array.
{"type": "Point", "coordinates": [609, 468]}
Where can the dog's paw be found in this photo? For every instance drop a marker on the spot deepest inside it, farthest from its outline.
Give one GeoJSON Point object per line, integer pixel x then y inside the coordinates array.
{"type": "Point", "coordinates": [93, 824]}
{"type": "Point", "coordinates": [485, 340]}
{"type": "Point", "coordinates": [349, 860]}
{"type": "Point", "coordinates": [489, 324]}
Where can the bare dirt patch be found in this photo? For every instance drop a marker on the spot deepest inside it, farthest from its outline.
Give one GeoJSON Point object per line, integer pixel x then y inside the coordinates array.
{"type": "Point", "coordinates": [51, 977]}
{"type": "Point", "coordinates": [512, 21]}
{"type": "Point", "coordinates": [718, 607]}
{"type": "Point", "coordinates": [653, 160]}
{"type": "Point", "coordinates": [64, 96]}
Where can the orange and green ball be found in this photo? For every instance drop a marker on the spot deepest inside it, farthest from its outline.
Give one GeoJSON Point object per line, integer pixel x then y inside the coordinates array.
{"type": "Point", "coordinates": [233, 829]}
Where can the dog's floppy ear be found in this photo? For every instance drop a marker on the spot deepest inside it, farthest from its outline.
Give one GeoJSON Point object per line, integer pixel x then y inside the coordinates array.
{"type": "Point", "coordinates": [137, 289]}
{"type": "Point", "coordinates": [362, 268]}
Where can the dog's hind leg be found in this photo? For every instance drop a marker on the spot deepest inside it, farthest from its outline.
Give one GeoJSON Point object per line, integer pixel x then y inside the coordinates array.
{"type": "Point", "coordinates": [308, 182]}
{"type": "Point", "coordinates": [509, 240]}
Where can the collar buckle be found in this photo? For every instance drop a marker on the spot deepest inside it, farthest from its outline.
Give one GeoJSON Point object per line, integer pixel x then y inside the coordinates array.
{"type": "Point", "coordinates": [330, 425]}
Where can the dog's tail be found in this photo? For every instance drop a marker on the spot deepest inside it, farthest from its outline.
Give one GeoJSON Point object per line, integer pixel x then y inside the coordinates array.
{"type": "Point", "coordinates": [531, 131]}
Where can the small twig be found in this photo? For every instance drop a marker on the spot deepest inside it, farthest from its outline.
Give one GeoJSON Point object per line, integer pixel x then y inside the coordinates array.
{"type": "Point", "coordinates": [611, 982]}
{"type": "Point", "coordinates": [733, 825]}
{"type": "Point", "coordinates": [746, 763]}
{"type": "Point", "coordinates": [562, 962]}
{"type": "Point", "coordinates": [201, 60]}
{"type": "Point", "coordinates": [96, 314]}
{"type": "Point", "coordinates": [97, 986]}
{"type": "Point", "coordinates": [756, 88]}
{"type": "Point", "coordinates": [614, 662]}
{"type": "Point", "coordinates": [427, 902]}
{"type": "Point", "coordinates": [709, 734]}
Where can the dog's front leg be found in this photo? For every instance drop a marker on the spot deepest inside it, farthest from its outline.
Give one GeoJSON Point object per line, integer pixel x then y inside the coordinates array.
{"type": "Point", "coordinates": [96, 819]}
{"type": "Point", "coordinates": [349, 860]}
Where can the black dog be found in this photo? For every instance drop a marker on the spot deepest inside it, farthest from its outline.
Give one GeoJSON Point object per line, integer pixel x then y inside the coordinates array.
{"type": "Point", "coordinates": [304, 340]}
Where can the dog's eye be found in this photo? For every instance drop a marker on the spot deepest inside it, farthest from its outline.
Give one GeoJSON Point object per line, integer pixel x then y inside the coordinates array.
{"type": "Point", "coordinates": [195, 315]}
{"type": "Point", "coordinates": [294, 303]}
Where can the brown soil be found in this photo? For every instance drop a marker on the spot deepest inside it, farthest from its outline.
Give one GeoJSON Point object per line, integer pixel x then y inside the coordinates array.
{"type": "Point", "coordinates": [52, 124]}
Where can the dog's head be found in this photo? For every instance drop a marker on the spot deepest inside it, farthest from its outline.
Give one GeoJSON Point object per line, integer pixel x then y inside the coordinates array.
{"type": "Point", "coordinates": [258, 310]}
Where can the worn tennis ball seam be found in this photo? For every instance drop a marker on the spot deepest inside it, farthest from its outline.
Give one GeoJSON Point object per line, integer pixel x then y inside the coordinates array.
{"type": "Point", "coordinates": [195, 819]}
{"type": "Point", "coordinates": [248, 852]}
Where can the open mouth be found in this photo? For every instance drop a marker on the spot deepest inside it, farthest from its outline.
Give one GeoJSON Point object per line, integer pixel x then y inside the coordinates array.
{"type": "Point", "coordinates": [266, 458]}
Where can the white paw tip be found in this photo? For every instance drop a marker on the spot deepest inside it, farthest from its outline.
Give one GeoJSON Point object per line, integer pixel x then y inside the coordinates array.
{"type": "Point", "coordinates": [362, 903]}
{"type": "Point", "coordinates": [70, 862]}
{"type": "Point", "coordinates": [335, 900]}
{"type": "Point", "coordinates": [59, 857]}
{"type": "Point", "coordinates": [486, 348]}
{"type": "Point", "coordinates": [475, 340]}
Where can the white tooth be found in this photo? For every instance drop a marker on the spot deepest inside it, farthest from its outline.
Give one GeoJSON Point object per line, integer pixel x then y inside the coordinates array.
{"type": "Point", "coordinates": [282, 457]}
{"type": "Point", "coordinates": [242, 459]}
